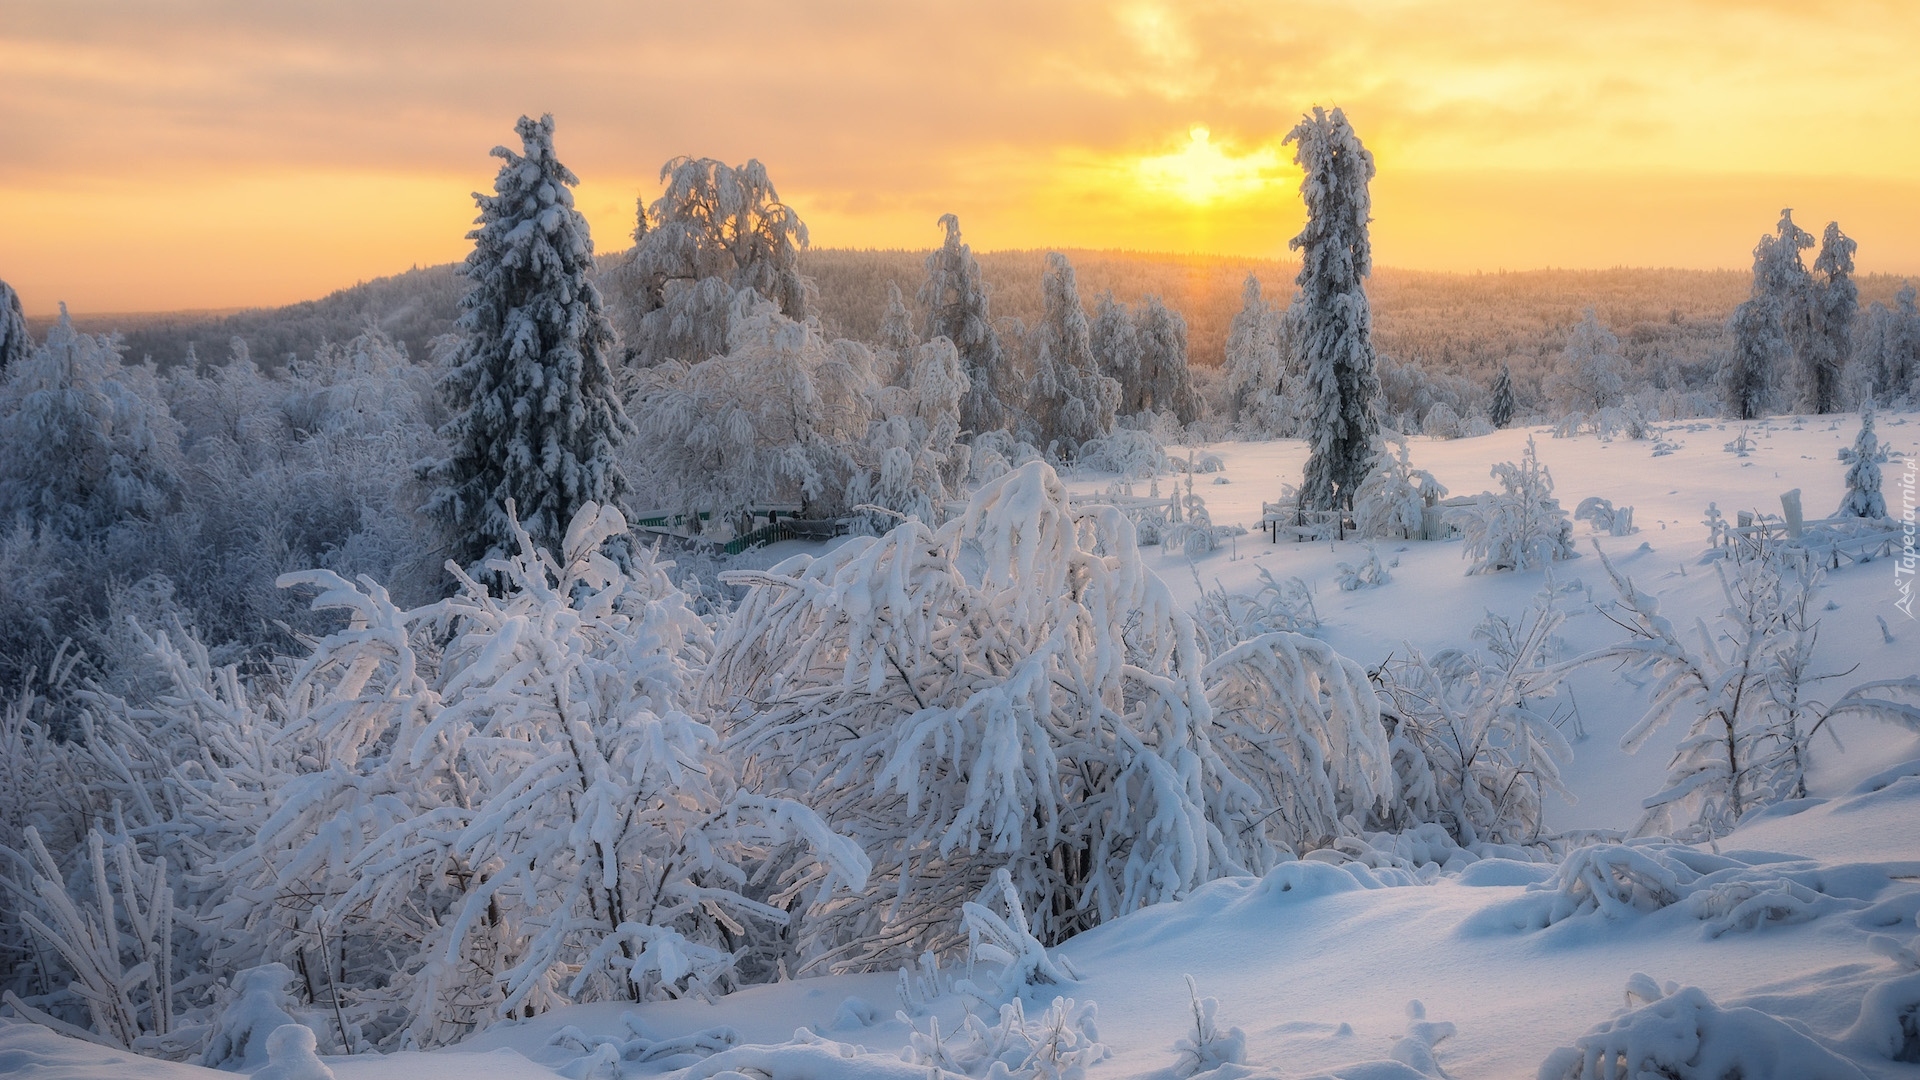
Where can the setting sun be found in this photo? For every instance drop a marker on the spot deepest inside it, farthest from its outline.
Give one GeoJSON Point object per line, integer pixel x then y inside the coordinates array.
{"type": "Point", "coordinates": [1202, 172]}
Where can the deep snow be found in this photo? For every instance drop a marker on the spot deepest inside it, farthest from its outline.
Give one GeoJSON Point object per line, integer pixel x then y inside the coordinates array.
{"type": "Point", "coordinates": [1318, 963]}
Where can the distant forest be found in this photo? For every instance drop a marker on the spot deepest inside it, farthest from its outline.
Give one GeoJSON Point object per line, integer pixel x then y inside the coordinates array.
{"type": "Point", "coordinates": [1442, 323]}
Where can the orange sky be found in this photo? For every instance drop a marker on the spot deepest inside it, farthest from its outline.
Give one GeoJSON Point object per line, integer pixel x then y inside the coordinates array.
{"type": "Point", "coordinates": [163, 155]}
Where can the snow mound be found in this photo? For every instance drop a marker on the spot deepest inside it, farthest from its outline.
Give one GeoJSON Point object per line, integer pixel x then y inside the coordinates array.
{"type": "Point", "coordinates": [1684, 1035]}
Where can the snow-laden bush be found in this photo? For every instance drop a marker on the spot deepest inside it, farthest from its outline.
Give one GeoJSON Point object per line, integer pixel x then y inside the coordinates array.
{"type": "Point", "coordinates": [1206, 1047]}
{"type": "Point", "coordinates": [1130, 452]}
{"type": "Point", "coordinates": [1737, 685]}
{"type": "Point", "coordinates": [1368, 573]}
{"type": "Point", "coordinates": [115, 937]}
{"type": "Point", "coordinates": [1300, 724]}
{"type": "Point", "coordinates": [1012, 690]}
{"type": "Point", "coordinates": [1226, 619]}
{"type": "Point", "coordinates": [1681, 1032]}
{"type": "Point", "coordinates": [1004, 938]}
{"type": "Point", "coordinates": [1475, 745]}
{"type": "Point", "coordinates": [445, 815]}
{"type": "Point", "coordinates": [1059, 1044]}
{"type": "Point", "coordinates": [1605, 517]}
{"type": "Point", "coordinates": [1522, 527]}
{"type": "Point", "coordinates": [529, 818]}
{"type": "Point", "coordinates": [1393, 499]}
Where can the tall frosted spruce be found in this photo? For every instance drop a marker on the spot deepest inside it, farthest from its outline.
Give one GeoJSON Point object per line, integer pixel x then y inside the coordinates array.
{"type": "Point", "coordinates": [1072, 401]}
{"type": "Point", "coordinates": [1331, 322]}
{"type": "Point", "coordinates": [955, 297]}
{"type": "Point", "coordinates": [1835, 299]}
{"type": "Point", "coordinates": [1500, 410]}
{"type": "Point", "coordinates": [536, 417]}
{"type": "Point", "coordinates": [1793, 290]}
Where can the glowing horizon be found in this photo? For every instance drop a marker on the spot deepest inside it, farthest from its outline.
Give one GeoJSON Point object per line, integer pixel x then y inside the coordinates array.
{"type": "Point", "coordinates": [189, 155]}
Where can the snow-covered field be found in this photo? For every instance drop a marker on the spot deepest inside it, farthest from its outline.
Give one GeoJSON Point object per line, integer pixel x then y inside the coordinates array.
{"type": "Point", "coordinates": [1804, 913]}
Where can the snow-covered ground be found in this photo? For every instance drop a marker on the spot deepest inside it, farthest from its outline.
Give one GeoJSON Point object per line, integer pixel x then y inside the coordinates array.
{"type": "Point", "coordinates": [1803, 913]}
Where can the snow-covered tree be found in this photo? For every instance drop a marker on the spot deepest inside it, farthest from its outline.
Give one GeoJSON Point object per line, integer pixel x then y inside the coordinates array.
{"type": "Point", "coordinates": [1013, 690]}
{"type": "Point", "coordinates": [85, 440]}
{"type": "Point", "coordinates": [1834, 300]}
{"type": "Point", "coordinates": [1592, 371]}
{"type": "Point", "coordinates": [1522, 527]}
{"type": "Point", "coordinates": [1253, 361]}
{"type": "Point", "coordinates": [1161, 382]}
{"type": "Point", "coordinates": [922, 461]}
{"type": "Point", "coordinates": [537, 419]}
{"type": "Point", "coordinates": [1748, 372]}
{"type": "Point", "coordinates": [1331, 323]}
{"type": "Point", "coordinates": [1116, 343]}
{"type": "Point", "coordinates": [1899, 375]}
{"type": "Point", "coordinates": [1393, 499]}
{"type": "Point", "coordinates": [897, 335]}
{"type": "Point", "coordinates": [955, 298]}
{"type": "Point", "coordinates": [1501, 404]}
{"type": "Point", "coordinates": [773, 419]}
{"type": "Point", "coordinates": [15, 341]}
{"type": "Point", "coordinates": [1793, 291]}
{"type": "Point", "coordinates": [1863, 497]}
{"type": "Point", "coordinates": [715, 230]}
{"type": "Point", "coordinates": [1071, 401]}
{"type": "Point", "coordinates": [1736, 684]}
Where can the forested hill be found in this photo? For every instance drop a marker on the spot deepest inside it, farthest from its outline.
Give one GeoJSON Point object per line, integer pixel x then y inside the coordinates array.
{"type": "Point", "coordinates": [1456, 323]}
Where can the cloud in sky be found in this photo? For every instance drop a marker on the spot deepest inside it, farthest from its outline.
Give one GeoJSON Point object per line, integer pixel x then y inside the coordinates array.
{"type": "Point", "coordinates": [170, 154]}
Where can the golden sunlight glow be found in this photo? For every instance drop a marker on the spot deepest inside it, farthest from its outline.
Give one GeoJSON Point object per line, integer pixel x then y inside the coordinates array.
{"type": "Point", "coordinates": [1202, 172]}
{"type": "Point", "coordinates": [161, 156]}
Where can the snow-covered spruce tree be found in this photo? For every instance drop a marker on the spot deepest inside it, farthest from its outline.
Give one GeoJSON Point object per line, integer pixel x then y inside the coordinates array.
{"type": "Point", "coordinates": [15, 341]}
{"type": "Point", "coordinates": [955, 298]}
{"type": "Point", "coordinates": [1393, 499]}
{"type": "Point", "coordinates": [1500, 404]}
{"type": "Point", "coordinates": [1253, 361]}
{"type": "Point", "coordinates": [1522, 527]}
{"type": "Point", "coordinates": [1863, 497]}
{"type": "Point", "coordinates": [1013, 690]}
{"type": "Point", "coordinates": [715, 230]}
{"type": "Point", "coordinates": [1331, 323]}
{"type": "Point", "coordinates": [536, 417]}
{"type": "Point", "coordinates": [1475, 745]}
{"type": "Point", "coordinates": [1072, 401]}
{"type": "Point", "coordinates": [526, 817]}
{"type": "Point", "coordinates": [1749, 371]}
{"type": "Point", "coordinates": [1162, 382]}
{"type": "Point", "coordinates": [1592, 371]}
{"type": "Point", "coordinates": [1834, 301]}
{"type": "Point", "coordinates": [1793, 290]}
{"type": "Point", "coordinates": [1737, 685]}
